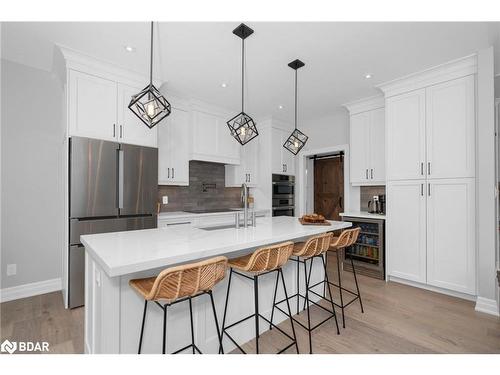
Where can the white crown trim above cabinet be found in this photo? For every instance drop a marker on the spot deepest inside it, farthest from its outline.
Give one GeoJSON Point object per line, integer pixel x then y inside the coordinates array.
{"type": "Point", "coordinates": [367, 141]}
{"type": "Point", "coordinates": [430, 130]}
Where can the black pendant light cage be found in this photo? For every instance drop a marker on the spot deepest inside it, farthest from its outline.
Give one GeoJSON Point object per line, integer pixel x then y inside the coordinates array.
{"type": "Point", "coordinates": [150, 106]}
{"type": "Point", "coordinates": [297, 140]}
{"type": "Point", "coordinates": [242, 126]}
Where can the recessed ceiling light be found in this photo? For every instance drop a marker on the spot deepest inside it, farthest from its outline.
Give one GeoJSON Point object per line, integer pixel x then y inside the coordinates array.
{"type": "Point", "coordinates": [129, 48]}
{"type": "Point", "coordinates": [223, 84]}
{"type": "Point", "coordinates": [368, 76]}
{"type": "Point", "coordinates": [280, 107]}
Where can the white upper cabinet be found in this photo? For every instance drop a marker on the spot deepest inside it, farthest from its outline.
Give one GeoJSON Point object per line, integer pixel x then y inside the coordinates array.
{"type": "Point", "coordinates": [283, 161]}
{"type": "Point", "coordinates": [406, 136]}
{"type": "Point", "coordinates": [247, 171]}
{"type": "Point", "coordinates": [450, 128]}
{"type": "Point", "coordinates": [129, 128]}
{"type": "Point", "coordinates": [406, 219]}
{"type": "Point", "coordinates": [92, 106]}
{"type": "Point", "coordinates": [212, 140]}
{"type": "Point", "coordinates": [451, 234]}
{"type": "Point", "coordinates": [359, 142]}
{"type": "Point", "coordinates": [98, 108]}
{"type": "Point", "coordinates": [173, 148]}
{"type": "Point", "coordinates": [367, 141]}
{"type": "Point", "coordinates": [377, 146]}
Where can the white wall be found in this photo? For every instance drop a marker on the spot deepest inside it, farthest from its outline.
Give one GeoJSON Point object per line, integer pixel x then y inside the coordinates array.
{"type": "Point", "coordinates": [485, 198]}
{"type": "Point", "coordinates": [32, 156]}
{"type": "Point", "coordinates": [327, 131]}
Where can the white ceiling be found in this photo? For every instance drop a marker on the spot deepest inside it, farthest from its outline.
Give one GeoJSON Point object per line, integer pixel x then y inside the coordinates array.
{"type": "Point", "coordinates": [195, 58]}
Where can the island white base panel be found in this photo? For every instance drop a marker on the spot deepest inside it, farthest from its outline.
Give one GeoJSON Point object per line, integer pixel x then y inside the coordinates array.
{"type": "Point", "coordinates": [113, 312]}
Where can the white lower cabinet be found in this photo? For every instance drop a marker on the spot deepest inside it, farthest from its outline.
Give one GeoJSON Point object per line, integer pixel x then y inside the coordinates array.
{"type": "Point", "coordinates": [451, 234]}
{"type": "Point", "coordinates": [431, 232]}
{"type": "Point", "coordinates": [406, 217]}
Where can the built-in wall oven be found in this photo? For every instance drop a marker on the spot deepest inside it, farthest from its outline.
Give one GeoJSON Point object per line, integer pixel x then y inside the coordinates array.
{"type": "Point", "coordinates": [283, 195]}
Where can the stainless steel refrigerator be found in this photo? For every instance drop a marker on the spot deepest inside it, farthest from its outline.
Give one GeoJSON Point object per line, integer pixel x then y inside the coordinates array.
{"type": "Point", "coordinates": [113, 187]}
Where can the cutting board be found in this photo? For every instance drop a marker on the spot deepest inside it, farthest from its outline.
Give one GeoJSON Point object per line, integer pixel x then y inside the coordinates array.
{"type": "Point", "coordinates": [325, 223]}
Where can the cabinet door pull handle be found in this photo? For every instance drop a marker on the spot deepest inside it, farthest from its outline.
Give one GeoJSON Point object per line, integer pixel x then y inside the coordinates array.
{"type": "Point", "coordinates": [173, 170]}
{"type": "Point", "coordinates": [168, 173]}
{"type": "Point", "coordinates": [371, 171]}
{"type": "Point", "coordinates": [249, 177]}
{"type": "Point", "coordinates": [121, 131]}
{"type": "Point", "coordinates": [429, 168]}
{"type": "Point", "coordinates": [422, 190]}
{"type": "Point", "coordinates": [114, 130]}
{"type": "Point", "coordinates": [286, 167]}
{"type": "Point", "coordinates": [367, 174]}
{"type": "Point", "coordinates": [429, 189]}
{"type": "Point", "coordinates": [422, 168]}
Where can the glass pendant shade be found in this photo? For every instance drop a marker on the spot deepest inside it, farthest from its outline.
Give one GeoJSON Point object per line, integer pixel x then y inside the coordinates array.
{"type": "Point", "coordinates": [295, 141]}
{"type": "Point", "coordinates": [150, 106]}
{"type": "Point", "coordinates": [242, 128]}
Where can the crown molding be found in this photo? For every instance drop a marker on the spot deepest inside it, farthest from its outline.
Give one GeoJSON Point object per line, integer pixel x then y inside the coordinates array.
{"type": "Point", "coordinates": [366, 104]}
{"type": "Point", "coordinates": [76, 60]}
{"type": "Point", "coordinates": [450, 70]}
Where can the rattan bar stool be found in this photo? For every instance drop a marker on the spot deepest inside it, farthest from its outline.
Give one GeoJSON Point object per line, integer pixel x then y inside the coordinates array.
{"type": "Point", "coordinates": [314, 248]}
{"type": "Point", "coordinates": [179, 284]}
{"type": "Point", "coordinates": [346, 239]}
{"type": "Point", "coordinates": [253, 266]}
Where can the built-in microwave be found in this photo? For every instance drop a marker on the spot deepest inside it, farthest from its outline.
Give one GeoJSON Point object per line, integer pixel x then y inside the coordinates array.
{"type": "Point", "coordinates": [283, 195]}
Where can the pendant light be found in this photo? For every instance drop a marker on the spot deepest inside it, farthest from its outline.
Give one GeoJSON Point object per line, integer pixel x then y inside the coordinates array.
{"type": "Point", "coordinates": [297, 139]}
{"type": "Point", "coordinates": [242, 126]}
{"type": "Point", "coordinates": [150, 105]}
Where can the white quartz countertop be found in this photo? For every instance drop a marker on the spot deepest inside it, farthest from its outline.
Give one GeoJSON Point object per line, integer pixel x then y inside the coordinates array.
{"type": "Point", "coordinates": [184, 214]}
{"type": "Point", "coordinates": [362, 214]}
{"type": "Point", "coordinates": [123, 253]}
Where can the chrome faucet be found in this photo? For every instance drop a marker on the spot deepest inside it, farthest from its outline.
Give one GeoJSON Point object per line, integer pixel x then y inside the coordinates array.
{"type": "Point", "coordinates": [244, 195]}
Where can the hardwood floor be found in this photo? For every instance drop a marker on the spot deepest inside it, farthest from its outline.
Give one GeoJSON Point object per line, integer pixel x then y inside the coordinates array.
{"type": "Point", "coordinates": [397, 319]}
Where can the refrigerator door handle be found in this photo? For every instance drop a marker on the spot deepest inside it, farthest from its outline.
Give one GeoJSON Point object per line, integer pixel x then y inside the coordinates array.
{"type": "Point", "coordinates": [120, 178]}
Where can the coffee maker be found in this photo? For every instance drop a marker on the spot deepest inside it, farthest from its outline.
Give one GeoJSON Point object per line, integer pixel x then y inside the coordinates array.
{"type": "Point", "coordinates": [377, 204]}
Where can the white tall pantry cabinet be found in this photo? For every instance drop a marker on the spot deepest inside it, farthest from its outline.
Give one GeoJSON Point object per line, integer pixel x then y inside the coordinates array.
{"type": "Point", "coordinates": [430, 130]}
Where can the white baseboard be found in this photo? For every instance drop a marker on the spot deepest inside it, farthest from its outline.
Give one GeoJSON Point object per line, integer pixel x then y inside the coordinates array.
{"type": "Point", "coordinates": [488, 306]}
{"type": "Point", "coordinates": [436, 289]}
{"type": "Point", "coordinates": [29, 290]}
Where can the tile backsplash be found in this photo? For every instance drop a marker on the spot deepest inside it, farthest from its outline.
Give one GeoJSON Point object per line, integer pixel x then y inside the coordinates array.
{"type": "Point", "coordinates": [367, 193]}
{"type": "Point", "coordinates": [206, 190]}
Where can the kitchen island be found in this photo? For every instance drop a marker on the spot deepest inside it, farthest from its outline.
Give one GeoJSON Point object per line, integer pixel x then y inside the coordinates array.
{"type": "Point", "coordinates": [113, 311]}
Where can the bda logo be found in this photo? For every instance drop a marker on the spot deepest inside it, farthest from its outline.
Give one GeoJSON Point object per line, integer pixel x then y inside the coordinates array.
{"type": "Point", "coordinates": [9, 347]}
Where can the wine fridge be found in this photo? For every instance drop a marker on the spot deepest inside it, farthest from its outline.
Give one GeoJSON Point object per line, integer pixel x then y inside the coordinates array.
{"type": "Point", "coordinates": [368, 252]}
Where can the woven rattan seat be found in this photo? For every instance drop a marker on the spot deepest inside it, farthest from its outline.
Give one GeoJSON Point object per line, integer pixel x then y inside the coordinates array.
{"type": "Point", "coordinates": [314, 246]}
{"type": "Point", "coordinates": [264, 259]}
{"type": "Point", "coordinates": [182, 281]}
{"type": "Point", "coordinates": [347, 238]}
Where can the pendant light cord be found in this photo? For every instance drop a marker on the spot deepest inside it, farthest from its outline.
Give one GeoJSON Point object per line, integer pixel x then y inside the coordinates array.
{"type": "Point", "coordinates": [295, 98]}
{"type": "Point", "coordinates": [151, 59]}
{"type": "Point", "coordinates": [243, 75]}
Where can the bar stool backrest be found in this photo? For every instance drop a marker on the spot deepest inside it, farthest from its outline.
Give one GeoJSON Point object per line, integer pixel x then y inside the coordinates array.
{"type": "Point", "coordinates": [189, 279]}
{"type": "Point", "coordinates": [269, 258]}
{"type": "Point", "coordinates": [347, 238]}
{"type": "Point", "coordinates": [315, 245]}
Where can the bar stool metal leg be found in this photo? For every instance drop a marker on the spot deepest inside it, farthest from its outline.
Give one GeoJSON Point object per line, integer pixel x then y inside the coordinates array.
{"type": "Point", "coordinates": [225, 307]}
{"type": "Point", "coordinates": [192, 325]}
{"type": "Point", "coordinates": [216, 322]}
{"type": "Point", "coordinates": [309, 278]}
{"type": "Point", "coordinates": [274, 300]}
{"type": "Point", "coordinates": [298, 285]}
{"type": "Point", "coordinates": [280, 272]}
{"type": "Point", "coordinates": [142, 326]}
{"type": "Point", "coordinates": [356, 281]}
{"type": "Point", "coordinates": [331, 295]}
{"type": "Point", "coordinates": [340, 288]}
{"type": "Point", "coordinates": [307, 302]}
{"type": "Point", "coordinates": [256, 293]}
{"type": "Point", "coordinates": [164, 329]}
